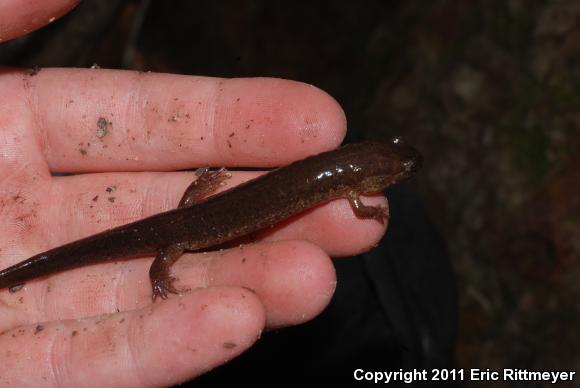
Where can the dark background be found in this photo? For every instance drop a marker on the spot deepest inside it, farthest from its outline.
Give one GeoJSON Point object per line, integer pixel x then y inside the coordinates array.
{"type": "Point", "coordinates": [487, 90]}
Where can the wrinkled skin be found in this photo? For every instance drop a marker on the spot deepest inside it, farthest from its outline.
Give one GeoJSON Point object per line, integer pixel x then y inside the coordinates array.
{"type": "Point", "coordinates": [97, 325]}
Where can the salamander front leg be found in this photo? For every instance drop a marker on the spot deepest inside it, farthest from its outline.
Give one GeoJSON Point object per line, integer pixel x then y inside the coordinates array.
{"type": "Point", "coordinates": [207, 183]}
{"type": "Point", "coordinates": [378, 213]}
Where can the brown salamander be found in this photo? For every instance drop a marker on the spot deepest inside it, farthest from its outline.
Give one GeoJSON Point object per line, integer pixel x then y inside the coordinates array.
{"type": "Point", "coordinates": [202, 222]}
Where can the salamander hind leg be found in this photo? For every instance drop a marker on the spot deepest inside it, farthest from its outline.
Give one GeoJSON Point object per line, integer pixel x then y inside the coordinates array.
{"type": "Point", "coordinates": [379, 213]}
{"type": "Point", "coordinates": [160, 271]}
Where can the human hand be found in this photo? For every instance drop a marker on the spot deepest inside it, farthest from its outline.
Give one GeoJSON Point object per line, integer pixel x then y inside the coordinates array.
{"type": "Point", "coordinates": [96, 325]}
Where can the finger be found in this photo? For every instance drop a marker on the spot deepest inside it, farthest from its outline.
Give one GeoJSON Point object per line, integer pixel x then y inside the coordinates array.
{"type": "Point", "coordinates": [21, 17]}
{"type": "Point", "coordinates": [111, 120]}
{"type": "Point", "coordinates": [159, 345]}
{"type": "Point", "coordinates": [281, 274]}
{"type": "Point", "coordinates": [83, 205]}
{"type": "Point", "coordinates": [332, 226]}
{"type": "Point", "coordinates": [295, 280]}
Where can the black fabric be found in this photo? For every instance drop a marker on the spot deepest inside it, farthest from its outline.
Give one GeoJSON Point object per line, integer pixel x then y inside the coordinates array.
{"type": "Point", "coordinates": [394, 308]}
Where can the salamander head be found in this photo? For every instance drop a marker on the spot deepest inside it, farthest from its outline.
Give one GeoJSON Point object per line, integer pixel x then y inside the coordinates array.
{"type": "Point", "coordinates": [383, 164]}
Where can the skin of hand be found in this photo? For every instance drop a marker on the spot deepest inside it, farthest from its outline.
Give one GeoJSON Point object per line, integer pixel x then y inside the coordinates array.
{"type": "Point", "coordinates": [123, 134]}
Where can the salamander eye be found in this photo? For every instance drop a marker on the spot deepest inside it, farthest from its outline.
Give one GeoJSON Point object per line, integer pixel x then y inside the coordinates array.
{"type": "Point", "coordinates": [398, 140]}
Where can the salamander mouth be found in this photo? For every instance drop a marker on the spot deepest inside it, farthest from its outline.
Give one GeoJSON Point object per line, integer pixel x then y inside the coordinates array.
{"type": "Point", "coordinates": [410, 158]}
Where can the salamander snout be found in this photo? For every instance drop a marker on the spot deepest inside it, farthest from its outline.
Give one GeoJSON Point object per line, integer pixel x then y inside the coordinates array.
{"type": "Point", "coordinates": [383, 164]}
{"type": "Point", "coordinates": [412, 162]}
{"type": "Point", "coordinates": [409, 158]}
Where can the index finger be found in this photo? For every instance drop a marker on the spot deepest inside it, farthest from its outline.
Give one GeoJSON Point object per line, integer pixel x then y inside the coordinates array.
{"type": "Point", "coordinates": [111, 120]}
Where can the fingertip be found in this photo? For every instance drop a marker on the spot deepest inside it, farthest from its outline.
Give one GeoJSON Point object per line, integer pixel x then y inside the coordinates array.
{"type": "Point", "coordinates": [316, 117]}
{"type": "Point", "coordinates": [279, 114]}
{"type": "Point", "coordinates": [220, 311]}
{"type": "Point", "coordinates": [211, 325]}
{"type": "Point", "coordinates": [352, 235]}
{"type": "Point", "coordinates": [294, 279]}
{"type": "Point", "coordinates": [305, 279]}
{"type": "Point", "coordinates": [174, 340]}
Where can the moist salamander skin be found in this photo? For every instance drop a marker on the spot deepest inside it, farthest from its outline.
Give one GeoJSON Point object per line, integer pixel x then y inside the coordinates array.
{"type": "Point", "coordinates": [346, 172]}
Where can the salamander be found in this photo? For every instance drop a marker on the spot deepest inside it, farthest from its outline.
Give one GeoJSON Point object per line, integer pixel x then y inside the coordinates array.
{"type": "Point", "coordinates": [202, 221]}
